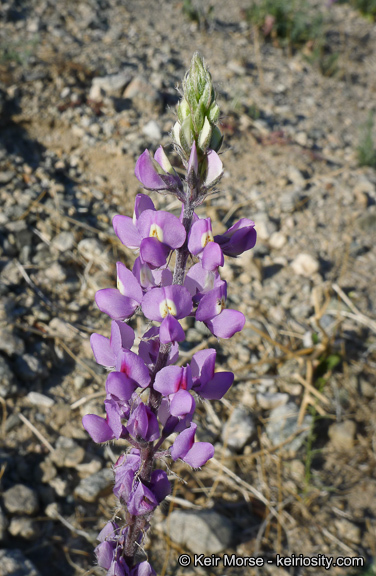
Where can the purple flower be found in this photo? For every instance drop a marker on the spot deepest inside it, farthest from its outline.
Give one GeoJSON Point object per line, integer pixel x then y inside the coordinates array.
{"type": "Point", "coordinates": [98, 428]}
{"type": "Point", "coordinates": [195, 454]}
{"type": "Point", "coordinates": [201, 243]}
{"type": "Point", "coordinates": [207, 383]}
{"type": "Point", "coordinates": [106, 349]}
{"type": "Point", "coordinates": [126, 467]}
{"type": "Point", "coordinates": [141, 501]}
{"type": "Point", "coordinates": [105, 550]}
{"type": "Point", "coordinates": [121, 303]}
{"type": "Point", "coordinates": [155, 233]}
{"type": "Point", "coordinates": [160, 485]}
{"type": "Point", "coordinates": [213, 169]}
{"type": "Point", "coordinates": [239, 238]}
{"type": "Point", "coordinates": [149, 348]}
{"type": "Point", "coordinates": [222, 323]}
{"type": "Point", "coordinates": [157, 173]}
{"type": "Point", "coordinates": [143, 424]}
{"type": "Point", "coordinates": [148, 278]}
{"type": "Point", "coordinates": [173, 378]}
{"type": "Point", "coordinates": [133, 367]}
{"type": "Point", "coordinates": [142, 569]}
{"type": "Point", "coordinates": [167, 305]}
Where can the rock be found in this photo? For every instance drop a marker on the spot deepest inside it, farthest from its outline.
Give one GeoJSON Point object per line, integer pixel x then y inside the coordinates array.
{"type": "Point", "coordinates": [10, 344]}
{"type": "Point", "coordinates": [23, 527]}
{"type": "Point", "coordinates": [14, 563]}
{"type": "Point", "coordinates": [111, 84]}
{"type": "Point", "coordinates": [38, 399]}
{"type": "Point", "coordinates": [264, 226]}
{"type": "Point", "coordinates": [91, 248]}
{"type": "Point", "coordinates": [348, 531]}
{"type": "Point", "coordinates": [277, 240]}
{"type": "Point", "coordinates": [60, 486]}
{"type": "Point", "coordinates": [6, 176]}
{"type": "Point", "coordinates": [289, 200]}
{"type": "Point", "coordinates": [305, 265]}
{"type": "Point", "coordinates": [342, 435]}
{"type": "Point", "coordinates": [67, 454]}
{"type": "Point", "coordinates": [89, 468]}
{"type": "Point", "coordinates": [63, 241]}
{"type": "Point", "coordinates": [55, 272]}
{"type": "Point", "coordinates": [366, 388]}
{"type": "Point", "coordinates": [46, 471]}
{"type": "Point", "coordinates": [21, 500]}
{"type": "Point", "coordinates": [295, 176]}
{"type": "Point", "coordinates": [62, 329]}
{"type": "Point", "coordinates": [30, 367]}
{"type": "Point", "coordinates": [3, 525]}
{"type": "Point", "coordinates": [142, 93]}
{"type": "Point", "coordinates": [8, 384]}
{"type": "Point", "coordinates": [94, 486]}
{"type": "Point", "coordinates": [152, 130]}
{"type": "Point", "coordinates": [283, 423]}
{"type": "Point", "coordinates": [239, 429]}
{"type": "Point", "coordinates": [271, 401]}
{"type": "Point", "coordinates": [202, 532]}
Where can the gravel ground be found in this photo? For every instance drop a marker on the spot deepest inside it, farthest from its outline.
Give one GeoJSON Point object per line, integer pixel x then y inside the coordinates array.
{"type": "Point", "coordinates": [83, 90]}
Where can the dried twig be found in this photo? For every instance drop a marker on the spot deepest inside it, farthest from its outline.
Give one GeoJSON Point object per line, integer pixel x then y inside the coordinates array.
{"type": "Point", "coordinates": [35, 431]}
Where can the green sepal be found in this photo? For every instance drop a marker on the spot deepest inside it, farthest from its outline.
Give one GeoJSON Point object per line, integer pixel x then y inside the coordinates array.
{"type": "Point", "coordinates": [198, 118]}
{"type": "Point", "coordinates": [205, 98]}
{"type": "Point", "coordinates": [186, 135]}
{"type": "Point", "coordinates": [213, 113]}
{"type": "Point", "coordinates": [183, 110]}
{"type": "Point", "coordinates": [216, 139]}
{"type": "Point", "coordinates": [205, 136]}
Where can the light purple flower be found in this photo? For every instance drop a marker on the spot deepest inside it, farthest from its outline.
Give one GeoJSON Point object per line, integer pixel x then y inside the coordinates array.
{"type": "Point", "coordinates": [148, 278]}
{"type": "Point", "coordinates": [106, 349]}
{"type": "Point", "coordinates": [173, 378]}
{"type": "Point", "coordinates": [149, 348]}
{"type": "Point", "coordinates": [157, 173]}
{"type": "Point", "coordinates": [239, 238]}
{"type": "Point", "coordinates": [126, 227]}
{"type": "Point", "coordinates": [222, 323]}
{"type": "Point", "coordinates": [207, 383]}
{"type": "Point", "coordinates": [98, 428]}
{"type": "Point", "coordinates": [143, 424]}
{"type": "Point", "coordinates": [141, 501]}
{"type": "Point", "coordinates": [142, 569]}
{"type": "Point", "coordinates": [158, 303]}
{"type": "Point", "coordinates": [214, 169]}
{"type": "Point", "coordinates": [120, 303]}
{"type": "Point", "coordinates": [105, 550]}
{"type": "Point", "coordinates": [133, 367]}
{"type": "Point", "coordinates": [195, 454]}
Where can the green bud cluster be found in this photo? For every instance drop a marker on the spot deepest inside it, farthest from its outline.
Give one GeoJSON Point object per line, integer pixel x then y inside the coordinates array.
{"type": "Point", "coordinates": [197, 111]}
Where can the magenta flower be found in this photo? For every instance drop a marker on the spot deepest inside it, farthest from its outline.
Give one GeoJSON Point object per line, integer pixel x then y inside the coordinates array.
{"type": "Point", "coordinates": [239, 238]}
{"type": "Point", "coordinates": [157, 173]}
{"type": "Point", "coordinates": [120, 303]}
{"type": "Point", "coordinates": [207, 383]}
{"type": "Point", "coordinates": [106, 349]}
{"type": "Point", "coordinates": [195, 454]}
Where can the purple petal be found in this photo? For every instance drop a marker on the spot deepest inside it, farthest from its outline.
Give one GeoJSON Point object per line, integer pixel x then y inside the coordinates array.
{"type": "Point", "coordinates": [214, 168]}
{"type": "Point", "coordinates": [199, 280]}
{"type": "Point", "coordinates": [199, 236]}
{"type": "Point", "coordinates": [159, 302]}
{"type": "Point", "coordinates": [141, 501]}
{"type": "Point", "coordinates": [202, 365]}
{"type": "Point", "coordinates": [142, 569]}
{"type": "Point", "coordinates": [183, 443]}
{"type": "Point", "coordinates": [148, 349]}
{"type": "Point", "coordinates": [160, 485]}
{"type": "Point", "coordinates": [104, 553]}
{"type": "Point", "coordinates": [217, 387]}
{"type": "Point", "coordinates": [239, 238]}
{"type": "Point", "coordinates": [122, 336]}
{"type": "Point", "coordinates": [119, 385]}
{"type": "Point", "coordinates": [163, 161]}
{"type": "Point", "coordinates": [146, 173]}
{"type": "Point", "coordinates": [142, 202]}
{"type": "Point", "coordinates": [212, 257]}
{"type": "Point", "coordinates": [127, 232]}
{"type": "Point", "coordinates": [199, 454]}
{"type": "Point", "coordinates": [108, 532]}
{"type": "Point", "coordinates": [193, 160]}
{"type": "Point", "coordinates": [182, 403]}
{"type": "Point", "coordinates": [98, 428]}
{"type": "Point", "coordinates": [114, 416]}
{"type": "Point", "coordinates": [153, 252]}
{"type": "Point", "coordinates": [132, 365]}
{"type": "Point", "coordinates": [171, 331]}
{"type": "Point", "coordinates": [114, 304]}
{"type": "Point", "coordinates": [173, 378]}
{"type": "Point", "coordinates": [162, 225]}
{"type": "Point", "coordinates": [103, 353]}
{"type": "Point", "coordinates": [226, 324]}
{"type": "Point", "coordinates": [127, 283]}
{"type": "Point", "coordinates": [143, 274]}
{"type": "Point", "coordinates": [212, 303]}
{"type": "Point", "coordinates": [143, 424]}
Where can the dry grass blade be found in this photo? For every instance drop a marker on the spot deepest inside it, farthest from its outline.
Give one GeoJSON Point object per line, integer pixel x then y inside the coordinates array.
{"type": "Point", "coordinates": [35, 431]}
{"type": "Point", "coordinates": [87, 398]}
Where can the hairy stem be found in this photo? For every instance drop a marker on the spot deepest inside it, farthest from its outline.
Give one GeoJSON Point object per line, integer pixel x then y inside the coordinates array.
{"type": "Point", "coordinates": [136, 524]}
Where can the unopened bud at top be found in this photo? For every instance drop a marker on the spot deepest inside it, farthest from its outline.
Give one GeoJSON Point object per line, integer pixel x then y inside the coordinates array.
{"type": "Point", "coordinates": [197, 112]}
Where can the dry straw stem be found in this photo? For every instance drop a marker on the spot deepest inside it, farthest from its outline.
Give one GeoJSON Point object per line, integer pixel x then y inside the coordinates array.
{"type": "Point", "coordinates": [35, 431]}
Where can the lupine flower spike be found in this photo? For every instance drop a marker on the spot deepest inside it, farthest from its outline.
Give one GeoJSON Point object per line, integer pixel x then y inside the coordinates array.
{"type": "Point", "coordinates": [164, 297]}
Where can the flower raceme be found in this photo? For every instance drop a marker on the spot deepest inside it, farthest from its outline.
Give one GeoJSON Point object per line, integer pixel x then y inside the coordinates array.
{"type": "Point", "coordinates": [150, 400]}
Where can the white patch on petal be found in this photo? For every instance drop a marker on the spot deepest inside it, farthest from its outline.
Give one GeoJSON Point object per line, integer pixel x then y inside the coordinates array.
{"type": "Point", "coordinates": [166, 307]}
{"type": "Point", "coordinates": [206, 238]}
{"type": "Point", "coordinates": [156, 232]}
{"type": "Point", "coordinates": [120, 286]}
{"type": "Point", "coordinates": [220, 305]}
{"type": "Point", "coordinates": [146, 276]}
